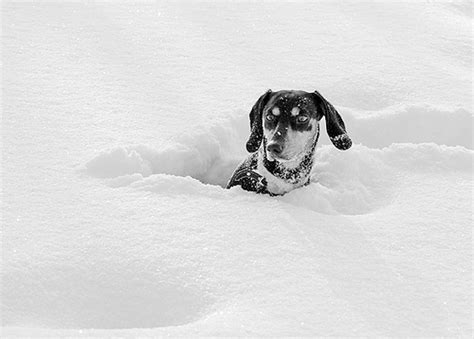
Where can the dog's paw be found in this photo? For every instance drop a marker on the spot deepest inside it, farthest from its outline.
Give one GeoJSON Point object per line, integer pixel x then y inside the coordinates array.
{"type": "Point", "coordinates": [249, 181]}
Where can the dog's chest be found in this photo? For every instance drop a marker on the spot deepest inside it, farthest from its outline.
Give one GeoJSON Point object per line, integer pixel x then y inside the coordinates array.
{"type": "Point", "coordinates": [259, 175]}
{"type": "Point", "coordinates": [283, 180]}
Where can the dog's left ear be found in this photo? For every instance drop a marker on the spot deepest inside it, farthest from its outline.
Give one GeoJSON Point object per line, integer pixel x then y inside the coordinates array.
{"type": "Point", "coordinates": [334, 123]}
{"type": "Point", "coordinates": [256, 128]}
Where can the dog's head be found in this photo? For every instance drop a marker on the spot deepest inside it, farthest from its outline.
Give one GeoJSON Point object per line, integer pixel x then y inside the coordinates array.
{"type": "Point", "coordinates": [288, 121]}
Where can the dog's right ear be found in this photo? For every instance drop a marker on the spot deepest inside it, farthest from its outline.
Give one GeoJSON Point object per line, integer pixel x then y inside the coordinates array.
{"type": "Point", "coordinates": [256, 128]}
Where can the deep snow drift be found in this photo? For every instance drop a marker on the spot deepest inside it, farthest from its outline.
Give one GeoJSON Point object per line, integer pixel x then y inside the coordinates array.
{"type": "Point", "coordinates": [121, 123]}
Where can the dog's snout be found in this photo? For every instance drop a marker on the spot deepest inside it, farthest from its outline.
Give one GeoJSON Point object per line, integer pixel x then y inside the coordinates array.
{"type": "Point", "coordinates": [275, 148]}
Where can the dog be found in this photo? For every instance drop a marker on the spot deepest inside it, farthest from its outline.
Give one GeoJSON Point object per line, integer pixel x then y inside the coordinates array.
{"type": "Point", "coordinates": [284, 132]}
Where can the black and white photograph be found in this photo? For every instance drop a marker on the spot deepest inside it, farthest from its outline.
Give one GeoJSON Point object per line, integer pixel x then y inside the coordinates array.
{"type": "Point", "coordinates": [236, 168]}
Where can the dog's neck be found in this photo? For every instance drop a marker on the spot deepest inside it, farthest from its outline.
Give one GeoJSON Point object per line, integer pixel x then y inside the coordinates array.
{"type": "Point", "coordinates": [296, 175]}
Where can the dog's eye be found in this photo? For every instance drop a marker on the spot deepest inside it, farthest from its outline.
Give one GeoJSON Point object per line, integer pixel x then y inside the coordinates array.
{"type": "Point", "coordinates": [270, 117]}
{"type": "Point", "coordinates": [302, 119]}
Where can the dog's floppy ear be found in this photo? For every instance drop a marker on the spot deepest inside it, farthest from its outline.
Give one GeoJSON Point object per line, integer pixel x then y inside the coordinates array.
{"type": "Point", "coordinates": [256, 128]}
{"type": "Point", "coordinates": [334, 124]}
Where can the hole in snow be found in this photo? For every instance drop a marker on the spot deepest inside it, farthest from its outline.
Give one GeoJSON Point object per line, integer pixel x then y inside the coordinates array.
{"type": "Point", "coordinates": [356, 181]}
{"type": "Point", "coordinates": [351, 182]}
{"type": "Point", "coordinates": [212, 154]}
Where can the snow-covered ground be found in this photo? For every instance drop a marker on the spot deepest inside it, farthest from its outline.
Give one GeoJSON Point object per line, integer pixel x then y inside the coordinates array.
{"type": "Point", "coordinates": [122, 122]}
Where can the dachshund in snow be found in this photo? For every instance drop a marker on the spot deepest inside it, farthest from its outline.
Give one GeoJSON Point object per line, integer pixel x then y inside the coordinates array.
{"type": "Point", "coordinates": [284, 133]}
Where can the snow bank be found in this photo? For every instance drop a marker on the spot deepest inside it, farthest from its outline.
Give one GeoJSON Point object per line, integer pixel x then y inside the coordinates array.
{"type": "Point", "coordinates": [352, 182]}
{"type": "Point", "coordinates": [209, 155]}
{"type": "Point", "coordinates": [414, 123]}
{"type": "Point", "coordinates": [355, 182]}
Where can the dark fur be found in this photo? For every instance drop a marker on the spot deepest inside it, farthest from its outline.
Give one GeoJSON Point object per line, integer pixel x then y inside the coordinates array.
{"type": "Point", "coordinates": [315, 106]}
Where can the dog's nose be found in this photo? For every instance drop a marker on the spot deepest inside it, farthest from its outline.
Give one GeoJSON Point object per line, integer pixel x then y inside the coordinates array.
{"type": "Point", "coordinates": [275, 148]}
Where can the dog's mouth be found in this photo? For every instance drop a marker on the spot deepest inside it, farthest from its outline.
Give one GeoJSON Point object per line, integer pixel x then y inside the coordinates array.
{"type": "Point", "coordinates": [289, 160]}
{"type": "Point", "coordinates": [279, 158]}
{"type": "Point", "coordinates": [283, 159]}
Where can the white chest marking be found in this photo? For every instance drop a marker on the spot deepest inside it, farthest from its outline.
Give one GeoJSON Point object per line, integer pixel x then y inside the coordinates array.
{"type": "Point", "coordinates": [276, 185]}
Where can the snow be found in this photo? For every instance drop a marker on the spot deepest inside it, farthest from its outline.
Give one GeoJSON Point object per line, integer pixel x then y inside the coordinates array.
{"type": "Point", "coordinates": [121, 123]}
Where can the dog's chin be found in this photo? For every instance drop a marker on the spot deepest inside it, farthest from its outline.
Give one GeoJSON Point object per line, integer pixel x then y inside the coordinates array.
{"type": "Point", "coordinates": [281, 159]}
{"type": "Point", "coordinates": [284, 162]}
